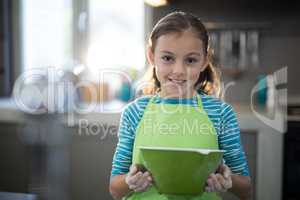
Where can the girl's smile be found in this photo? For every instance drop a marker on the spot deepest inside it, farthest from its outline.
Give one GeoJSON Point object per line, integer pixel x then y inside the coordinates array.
{"type": "Point", "coordinates": [178, 59]}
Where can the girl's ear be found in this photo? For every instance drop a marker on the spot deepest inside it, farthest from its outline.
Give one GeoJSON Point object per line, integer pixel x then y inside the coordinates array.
{"type": "Point", "coordinates": [150, 56]}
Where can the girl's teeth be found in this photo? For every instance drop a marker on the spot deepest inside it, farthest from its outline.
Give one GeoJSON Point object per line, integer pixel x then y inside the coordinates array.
{"type": "Point", "coordinates": [177, 81]}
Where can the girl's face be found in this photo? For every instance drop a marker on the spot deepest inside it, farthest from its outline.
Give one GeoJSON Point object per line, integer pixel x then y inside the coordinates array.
{"type": "Point", "coordinates": [178, 59]}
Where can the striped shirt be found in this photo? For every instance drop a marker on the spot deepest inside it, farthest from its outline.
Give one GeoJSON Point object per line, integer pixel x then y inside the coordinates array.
{"type": "Point", "coordinates": [221, 114]}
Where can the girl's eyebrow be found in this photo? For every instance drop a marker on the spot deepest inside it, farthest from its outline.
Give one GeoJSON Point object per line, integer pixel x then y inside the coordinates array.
{"type": "Point", "coordinates": [168, 52]}
{"type": "Point", "coordinates": [194, 53]}
{"type": "Point", "coordinates": [189, 54]}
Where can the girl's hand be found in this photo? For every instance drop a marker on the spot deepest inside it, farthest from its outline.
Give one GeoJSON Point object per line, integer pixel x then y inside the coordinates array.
{"type": "Point", "coordinates": [137, 180]}
{"type": "Point", "coordinates": [221, 181]}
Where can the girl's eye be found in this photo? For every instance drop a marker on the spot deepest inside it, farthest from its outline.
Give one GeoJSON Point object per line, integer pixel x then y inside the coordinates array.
{"type": "Point", "coordinates": [191, 61]}
{"type": "Point", "coordinates": [167, 58]}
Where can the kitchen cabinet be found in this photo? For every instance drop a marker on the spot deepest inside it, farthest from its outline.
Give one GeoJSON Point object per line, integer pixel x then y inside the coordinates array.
{"type": "Point", "coordinates": [34, 157]}
{"type": "Point", "coordinates": [15, 158]}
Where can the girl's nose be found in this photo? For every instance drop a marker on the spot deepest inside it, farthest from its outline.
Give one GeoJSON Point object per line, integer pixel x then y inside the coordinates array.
{"type": "Point", "coordinates": [178, 68]}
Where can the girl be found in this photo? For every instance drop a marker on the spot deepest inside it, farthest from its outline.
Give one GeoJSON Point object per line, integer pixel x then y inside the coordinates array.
{"type": "Point", "coordinates": [183, 77]}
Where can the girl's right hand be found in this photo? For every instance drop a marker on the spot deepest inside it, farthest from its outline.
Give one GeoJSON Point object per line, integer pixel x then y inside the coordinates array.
{"type": "Point", "coordinates": [138, 181]}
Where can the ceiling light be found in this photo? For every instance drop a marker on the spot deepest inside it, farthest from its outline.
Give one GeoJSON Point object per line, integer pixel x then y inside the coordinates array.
{"type": "Point", "coordinates": [156, 3]}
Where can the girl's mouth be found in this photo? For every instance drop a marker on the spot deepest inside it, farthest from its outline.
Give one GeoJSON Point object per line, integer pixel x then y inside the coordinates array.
{"type": "Point", "coordinates": [177, 81]}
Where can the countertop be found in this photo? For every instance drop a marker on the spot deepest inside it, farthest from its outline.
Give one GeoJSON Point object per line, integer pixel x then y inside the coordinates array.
{"type": "Point", "coordinates": [110, 112]}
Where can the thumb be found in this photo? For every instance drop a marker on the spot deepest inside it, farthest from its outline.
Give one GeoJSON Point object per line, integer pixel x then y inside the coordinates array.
{"type": "Point", "coordinates": [226, 171]}
{"type": "Point", "coordinates": [133, 170]}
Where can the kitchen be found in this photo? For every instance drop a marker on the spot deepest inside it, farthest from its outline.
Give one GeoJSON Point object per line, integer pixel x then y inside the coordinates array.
{"type": "Point", "coordinates": [61, 146]}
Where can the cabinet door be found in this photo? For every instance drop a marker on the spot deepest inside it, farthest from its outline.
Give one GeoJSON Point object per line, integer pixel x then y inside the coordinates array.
{"type": "Point", "coordinates": [15, 160]}
{"type": "Point", "coordinates": [91, 161]}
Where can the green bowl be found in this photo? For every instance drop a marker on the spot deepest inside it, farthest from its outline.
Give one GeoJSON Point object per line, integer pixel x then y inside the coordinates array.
{"type": "Point", "coordinates": [180, 171]}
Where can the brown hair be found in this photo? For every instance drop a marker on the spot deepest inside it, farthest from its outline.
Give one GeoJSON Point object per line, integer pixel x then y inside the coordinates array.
{"type": "Point", "coordinates": [177, 22]}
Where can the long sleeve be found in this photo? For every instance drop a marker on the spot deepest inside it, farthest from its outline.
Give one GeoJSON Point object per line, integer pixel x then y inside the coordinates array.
{"type": "Point", "coordinates": [123, 153]}
{"type": "Point", "coordinates": [129, 121]}
{"type": "Point", "coordinates": [230, 141]}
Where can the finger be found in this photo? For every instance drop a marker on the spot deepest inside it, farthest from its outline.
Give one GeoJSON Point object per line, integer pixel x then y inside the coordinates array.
{"type": "Point", "coordinates": [228, 183]}
{"type": "Point", "coordinates": [129, 175]}
{"type": "Point", "coordinates": [132, 180]}
{"type": "Point", "coordinates": [222, 182]}
{"type": "Point", "coordinates": [150, 179]}
{"type": "Point", "coordinates": [133, 170]}
{"type": "Point", "coordinates": [143, 187]}
{"type": "Point", "coordinates": [210, 185]}
{"type": "Point", "coordinates": [209, 181]}
{"type": "Point", "coordinates": [132, 187]}
{"type": "Point", "coordinates": [147, 174]}
{"type": "Point", "coordinates": [143, 179]}
{"type": "Point", "coordinates": [226, 172]}
{"type": "Point", "coordinates": [144, 183]}
{"type": "Point", "coordinates": [216, 185]}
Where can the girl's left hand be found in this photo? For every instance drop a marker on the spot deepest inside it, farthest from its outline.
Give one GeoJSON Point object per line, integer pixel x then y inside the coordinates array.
{"type": "Point", "coordinates": [221, 181]}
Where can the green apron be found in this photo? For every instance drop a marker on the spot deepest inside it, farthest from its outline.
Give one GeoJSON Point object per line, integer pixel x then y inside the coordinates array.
{"type": "Point", "coordinates": [152, 131]}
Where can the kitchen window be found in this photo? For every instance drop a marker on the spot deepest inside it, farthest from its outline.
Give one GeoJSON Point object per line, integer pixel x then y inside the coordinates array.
{"type": "Point", "coordinates": [85, 37]}
{"type": "Point", "coordinates": [116, 34]}
{"type": "Point", "coordinates": [46, 33]}
{"type": "Point", "coordinates": [97, 33]}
